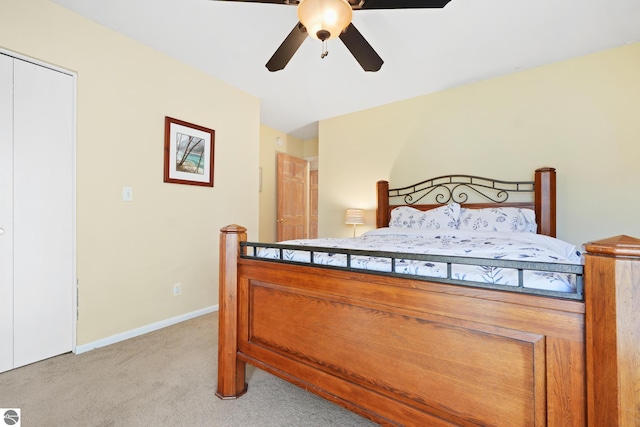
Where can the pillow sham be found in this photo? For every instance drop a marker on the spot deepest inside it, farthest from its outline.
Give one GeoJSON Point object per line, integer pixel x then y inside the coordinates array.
{"type": "Point", "coordinates": [519, 220]}
{"type": "Point", "coordinates": [443, 217]}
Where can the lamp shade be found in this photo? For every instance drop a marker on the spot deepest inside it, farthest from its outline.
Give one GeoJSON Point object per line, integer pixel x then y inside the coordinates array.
{"type": "Point", "coordinates": [324, 19]}
{"type": "Point", "coordinates": [354, 216]}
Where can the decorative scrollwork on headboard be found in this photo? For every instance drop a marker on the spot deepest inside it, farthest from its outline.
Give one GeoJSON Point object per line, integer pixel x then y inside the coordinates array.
{"type": "Point", "coordinates": [539, 195]}
{"type": "Point", "coordinates": [454, 188]}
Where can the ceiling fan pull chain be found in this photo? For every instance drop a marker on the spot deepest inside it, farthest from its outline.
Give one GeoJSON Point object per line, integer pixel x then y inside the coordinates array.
{"type": "Point", "coordinates": [325, 52]}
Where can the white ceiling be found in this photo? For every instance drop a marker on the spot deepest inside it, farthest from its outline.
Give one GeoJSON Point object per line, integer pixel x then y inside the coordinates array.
{"type": "Point", "coordinates": [424, 50]}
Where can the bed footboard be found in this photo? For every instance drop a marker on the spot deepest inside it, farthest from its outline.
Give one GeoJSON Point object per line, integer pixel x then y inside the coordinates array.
{"type": "Point", "coordinates": [409, 352]}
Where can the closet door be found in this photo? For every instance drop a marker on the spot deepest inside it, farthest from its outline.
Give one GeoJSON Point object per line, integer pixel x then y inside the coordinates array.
{"type": "Point", "coordinates": [42, 213]}
{"type": "Point", "coordinates": [6, 213]}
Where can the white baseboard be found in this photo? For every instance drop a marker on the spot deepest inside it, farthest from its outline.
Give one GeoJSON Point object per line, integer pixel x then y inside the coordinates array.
{"type": "Point", "coordinates": [143, 330]}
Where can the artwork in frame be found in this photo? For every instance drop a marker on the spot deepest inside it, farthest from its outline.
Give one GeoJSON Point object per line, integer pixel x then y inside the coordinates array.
{"type": "Point", "coordinates": [188, 153]}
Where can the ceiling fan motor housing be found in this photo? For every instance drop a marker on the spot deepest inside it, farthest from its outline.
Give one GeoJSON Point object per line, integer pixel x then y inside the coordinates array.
{"type": "Point", "coordinates": [325, 19]}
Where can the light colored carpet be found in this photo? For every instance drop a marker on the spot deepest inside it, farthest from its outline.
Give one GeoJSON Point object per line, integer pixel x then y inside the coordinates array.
{"type": "Point", "coordinates": [163, 378]}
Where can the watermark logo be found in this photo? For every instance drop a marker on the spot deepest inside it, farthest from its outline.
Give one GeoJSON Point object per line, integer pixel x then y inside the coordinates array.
{"type": "Point", "coordinates": [10, 416]}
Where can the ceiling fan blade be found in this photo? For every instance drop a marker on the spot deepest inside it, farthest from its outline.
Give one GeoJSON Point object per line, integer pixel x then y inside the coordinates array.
{"type": "Point", "coordinates": [403, 4]}
{"type": "Point", "coordinates": [289, 46]}
{"type": "Point", "coordinates": [361, 49]}
{"type": "Point", "coordinates": [287, 2]}
{"type": "Point", "coordinates": [368, 4]}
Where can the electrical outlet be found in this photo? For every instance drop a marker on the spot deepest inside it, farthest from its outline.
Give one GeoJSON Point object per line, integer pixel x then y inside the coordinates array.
{"type": "Point", "coordinates": [177, 289]}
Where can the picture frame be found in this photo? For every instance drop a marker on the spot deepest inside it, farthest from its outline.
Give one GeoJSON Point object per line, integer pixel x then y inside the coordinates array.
{"type": "Point", "coordinates": [188, 153]}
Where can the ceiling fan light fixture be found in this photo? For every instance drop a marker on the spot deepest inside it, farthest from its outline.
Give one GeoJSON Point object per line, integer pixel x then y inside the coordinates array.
{"type": "Point", "coordinates": [324, 19]}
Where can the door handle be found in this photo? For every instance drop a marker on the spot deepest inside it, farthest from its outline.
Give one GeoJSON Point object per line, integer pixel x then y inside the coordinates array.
{"type": "Point", "coordinates": [280, 221]}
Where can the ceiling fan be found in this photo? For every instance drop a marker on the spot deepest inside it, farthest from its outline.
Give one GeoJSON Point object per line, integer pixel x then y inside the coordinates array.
{"type": "Point", "coordinates": [329, 19]}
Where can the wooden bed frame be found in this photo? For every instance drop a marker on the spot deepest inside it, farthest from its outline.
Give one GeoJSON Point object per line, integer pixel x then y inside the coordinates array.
{"type": "Point", "coordinates": [408, 352]}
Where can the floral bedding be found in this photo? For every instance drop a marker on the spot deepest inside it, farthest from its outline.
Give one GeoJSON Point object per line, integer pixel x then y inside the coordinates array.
{"type": "Point", "coordinates": [451, 242]}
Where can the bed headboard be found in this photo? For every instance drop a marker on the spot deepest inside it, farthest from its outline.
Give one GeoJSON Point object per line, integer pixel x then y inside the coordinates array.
{"type": "Point", "coordinates": [455, 188]}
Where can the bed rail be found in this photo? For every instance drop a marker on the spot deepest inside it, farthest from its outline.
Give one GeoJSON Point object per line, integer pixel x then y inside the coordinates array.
{"type": "Point", "coordinates": [249, 250]}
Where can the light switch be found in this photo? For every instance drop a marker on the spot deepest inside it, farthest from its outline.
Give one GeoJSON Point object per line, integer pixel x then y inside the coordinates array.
{"type": "Point", "coordinates": [127, 194]}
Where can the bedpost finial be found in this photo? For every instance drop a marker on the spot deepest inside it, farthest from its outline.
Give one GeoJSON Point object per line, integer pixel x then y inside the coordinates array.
{"type": "Point", "coordinates": [233, 228]}
{"type": "Point", "coordinates": [546, 169]}
{"type": "Point", "coordinates": [619, 246]}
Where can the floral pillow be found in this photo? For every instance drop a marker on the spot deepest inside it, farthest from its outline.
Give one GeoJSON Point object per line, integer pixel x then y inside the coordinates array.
{"type": "Point", "coordinates": [444, 217]}
{"type": "Point", "coordinates": [498, 219]}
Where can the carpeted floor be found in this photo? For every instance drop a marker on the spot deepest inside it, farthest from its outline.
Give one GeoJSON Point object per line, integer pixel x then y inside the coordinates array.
{"type": "Point", "coordinates": [163, 378]}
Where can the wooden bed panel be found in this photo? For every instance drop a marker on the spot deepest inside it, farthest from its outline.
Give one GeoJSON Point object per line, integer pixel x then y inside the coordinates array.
{"type": "Point", "coordinates": [535, 314]}
{"type": "Point", "coordinates": [500, 366]}
{"type": "Point", "coordinates": [365, 339]}
{"type": "Point", "coordinates": [370, 404]}
{"type": "Point", "coordinates": [565, 358]}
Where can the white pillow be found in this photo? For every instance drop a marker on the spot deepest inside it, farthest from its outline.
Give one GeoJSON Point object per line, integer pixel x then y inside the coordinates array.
{"type": "Point", "coordinates": [498, 219]}
{"type": "Point", "coordinates": [443, 217]}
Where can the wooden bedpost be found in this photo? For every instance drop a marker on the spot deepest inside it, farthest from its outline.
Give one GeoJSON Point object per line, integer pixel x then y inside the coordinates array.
{"type": "Point", "coordinates": [545, 200]}
{"type": "Point", "coordinates": [612, 302]}
{"type": "Point", "coordinates": [231, 371]}
{"type": "Point", "coordinates": [382, 212]}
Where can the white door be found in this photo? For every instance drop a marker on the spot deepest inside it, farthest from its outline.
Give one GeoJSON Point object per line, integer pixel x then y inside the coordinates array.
{"type": "Point", "coordinates": [6, 213]}
{"type": "Point", "coordinates": [43, 217]}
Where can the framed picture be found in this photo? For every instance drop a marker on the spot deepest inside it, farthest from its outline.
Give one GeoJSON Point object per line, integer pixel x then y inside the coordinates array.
{"type": "Point", "coordinates": [188, 153]}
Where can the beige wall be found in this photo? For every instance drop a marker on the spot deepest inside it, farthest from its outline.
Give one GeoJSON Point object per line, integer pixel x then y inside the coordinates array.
{"type": "Point", "coordinates": [310, 147]}
{"type": "Point", "coordinates": [579, 116]}
{"type": "Point", "coordinates": [130, 254]}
